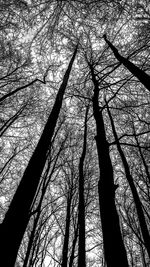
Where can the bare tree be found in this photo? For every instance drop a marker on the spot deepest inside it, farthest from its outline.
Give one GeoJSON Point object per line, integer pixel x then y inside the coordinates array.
{"type": "Point", "coordinates": [142, 76]}
{"type": "Point", "coordinates": [114, 250]}
{"type": "Point", "coordinates": [18, 213]}
{"type": "Point", "coordinates": [81, 214]}
{"type": "Point", "coordinates": [138, 204]}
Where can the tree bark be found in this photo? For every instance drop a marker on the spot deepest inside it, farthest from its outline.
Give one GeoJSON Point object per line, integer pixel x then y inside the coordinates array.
{"type": "Point", "coordinates": [114, 250]}
{"type": "Point", "coordinates": [81, 209]}
{"type": "Point", "coordinates": [138, 204]}
{"type": "Point", "coordinates": [16, 219]}
{"type": "Point", "coordinates": [143, 77]}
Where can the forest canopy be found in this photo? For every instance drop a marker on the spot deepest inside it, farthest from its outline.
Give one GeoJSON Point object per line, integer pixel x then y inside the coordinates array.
{"type": "Point", "coordinates": [75, 133]}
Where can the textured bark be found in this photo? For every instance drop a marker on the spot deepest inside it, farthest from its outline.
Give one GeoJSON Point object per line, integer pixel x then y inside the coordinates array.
{"type": "Point", "coordinates": [81, 214]}
{"type": "Point", "coordinates": [114, 250]}
{"type": "Point", "coordinates": [16, 219]}
{"type": "Point", "coordinates": [138, 204]}
{"type": "Point", "coordinates": [143, 77]}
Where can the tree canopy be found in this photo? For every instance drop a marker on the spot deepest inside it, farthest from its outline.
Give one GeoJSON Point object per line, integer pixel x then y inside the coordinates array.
{"type": "Point", "coordinates": [75, 74]}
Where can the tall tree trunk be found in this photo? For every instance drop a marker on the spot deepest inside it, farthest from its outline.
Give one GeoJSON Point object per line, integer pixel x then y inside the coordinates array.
{"type": "Point", "coordinates": [138, 204]}
{"type": "Point", "coordinates": [74, 245]}
{"type": "Point", "coordinates": [66, 237]}
{"type": "Point", "coordinates": [81, 211]}
{"type": "Point", "coordinates": [16, 219]}
{"type": "Point", "coordinates": [114, 250]}
{"type": "Point", "coordinates": [143, 77]}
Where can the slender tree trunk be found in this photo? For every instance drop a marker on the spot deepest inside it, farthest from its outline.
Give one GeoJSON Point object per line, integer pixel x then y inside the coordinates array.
{"type": "Point", "coordinates": [81, 213]}
{"type": "Point", "coordinates": [143, 77]}
{"type": "Point", "coordinates": [73, 246]}
{"type": "Point", "coordinates": [16, 219]}
{"type": "Point", "coordinates": [114, 250]}
{"type": "Point", "coordinates": [38, 212]}
{"type": "Point", "coordinates": [142, 157]}
{"type": "Point", "coordinates": [66, 237]}
{"type": "Point", "coordinates": [138, 204]}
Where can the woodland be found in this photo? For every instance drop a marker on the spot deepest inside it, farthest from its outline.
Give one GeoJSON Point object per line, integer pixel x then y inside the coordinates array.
{"type": "Point", "coordinates": [74, 133]}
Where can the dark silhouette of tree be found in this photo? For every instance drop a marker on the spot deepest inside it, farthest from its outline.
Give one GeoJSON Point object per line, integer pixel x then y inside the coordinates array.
{"type": "Point", "coordinates": [81, 214]}
{"type": "Point", "coordinates": [142, 76]}
{"type": "Point", "coordinates": [138, 204]}
{"type": "Point", "coordinates": [114, 250]}
{"type": "Point", "coordinates": [18, 213]}
{"type": "Point", "coordinates": [72, 256]}
{"type": "Point", "coordinates": [38, 210]}
{"type": "Point", "coordinates": [54, 204]}
{"type": "Point", "coordinates": [67, 229]}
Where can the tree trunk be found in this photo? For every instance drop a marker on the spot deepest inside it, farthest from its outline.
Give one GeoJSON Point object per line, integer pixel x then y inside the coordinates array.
{"type": "Point", "coordinates": [66, 237]}
{"type": "Point", "coordinates": [143, 77]}
{"type": "Point", "coordinates": [73, 246]}
{"type": "Point", "coordinates": [16, 219]}
{"type": "Point", "coordinates": [81, 214]}
{"type": "Point", "coordinates": [138, 204]}
{"type": "Point", "coordinates": [142, 157]}
{"type": "Point", "coordinates": [114, 250]}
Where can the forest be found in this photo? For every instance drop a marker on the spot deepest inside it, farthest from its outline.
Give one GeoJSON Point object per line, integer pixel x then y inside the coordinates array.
{"type": "Point", "coordinates": [74, 133]}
